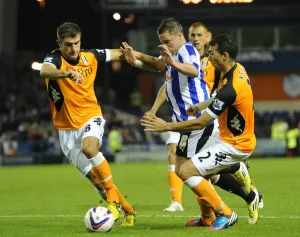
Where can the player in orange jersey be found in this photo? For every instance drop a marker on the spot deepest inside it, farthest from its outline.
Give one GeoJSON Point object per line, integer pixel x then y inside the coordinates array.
{"type": "Point", "coordinates": [70, 73]}
{"type": "Point", "coordinates": [200, 37]}
{"type": "Point", "coordinates": [233, 106]}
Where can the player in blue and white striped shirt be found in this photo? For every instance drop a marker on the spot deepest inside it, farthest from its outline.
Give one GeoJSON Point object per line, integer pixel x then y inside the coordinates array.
{"type": "Point", "coordinates": [184, 87]}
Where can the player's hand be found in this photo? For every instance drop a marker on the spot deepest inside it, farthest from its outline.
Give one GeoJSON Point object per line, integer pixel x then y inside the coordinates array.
{"type": "Point", "coordinates": [154, 124]}
{"type": "Point", "coordinates": [76, 76]}
{"type": "Point", "coordinates": [128, 53]}
{"type": "Point", "coordinates": [150, 113]}
{"type": "Point", "coordinates": [192, 110]}
{"type": "Point", "coordinates": [167, 57]}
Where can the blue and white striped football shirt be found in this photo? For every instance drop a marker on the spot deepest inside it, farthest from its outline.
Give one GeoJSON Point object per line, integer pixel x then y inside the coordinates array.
{"type": "Point", "coordinates": [183, 91]}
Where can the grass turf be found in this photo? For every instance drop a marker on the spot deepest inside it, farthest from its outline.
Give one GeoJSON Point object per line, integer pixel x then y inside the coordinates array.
{"type": "Point", "coordinates": [52, 201]}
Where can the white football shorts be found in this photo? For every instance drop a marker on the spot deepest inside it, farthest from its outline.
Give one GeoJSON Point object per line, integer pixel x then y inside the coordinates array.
{"type": "Point", "coordinates": [217, 156]}
{"type": "Point", "coordinates": [70, 142]}
{"type": "Point", "coordinates": [173, 138]}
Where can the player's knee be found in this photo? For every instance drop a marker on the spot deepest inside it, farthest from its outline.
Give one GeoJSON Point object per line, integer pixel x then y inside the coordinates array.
{"type": "Point", "coordinates": [90, 151]}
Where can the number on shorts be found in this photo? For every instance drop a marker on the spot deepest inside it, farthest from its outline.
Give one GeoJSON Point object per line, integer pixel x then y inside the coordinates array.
{"type": "Point", "coordinates": [97, 121]}
{"type": "Point", "coordinates": [204, 157]}
{"type": "Point", "coordinates": [221, 157]}
{"type": "Point", "coordinates": [87, 128]}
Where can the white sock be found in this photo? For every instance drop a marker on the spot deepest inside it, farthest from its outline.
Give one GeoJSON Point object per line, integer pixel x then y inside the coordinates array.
{"type": "Point", "coordinates": [171, 168]}
{"type": "Point", "coordinates": [97, 160]}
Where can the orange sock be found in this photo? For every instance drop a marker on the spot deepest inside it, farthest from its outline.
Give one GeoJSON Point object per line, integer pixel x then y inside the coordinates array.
{"type": "Point", "coordinates": [175, 184]}
{"type": "Point", "coordinates": [207, 213]}
{"type": "Point", "coordinates": [204, 190]}
{"type": "Point", "coordinates": [102, 170]}
{"type": "Point", "coordinates": [124, 204]}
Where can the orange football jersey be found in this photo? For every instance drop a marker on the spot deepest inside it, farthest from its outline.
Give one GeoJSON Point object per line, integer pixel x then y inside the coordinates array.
{"type": "Point", "coordinates": [233, 105]}
{"type": "Point", "coordinates": [73, 105]}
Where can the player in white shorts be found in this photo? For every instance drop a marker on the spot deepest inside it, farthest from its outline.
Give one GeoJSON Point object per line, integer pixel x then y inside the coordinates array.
{"type": "Point", "coordinates": [233, 106]}
{"type": "Point", "coordinates": [69, 74]}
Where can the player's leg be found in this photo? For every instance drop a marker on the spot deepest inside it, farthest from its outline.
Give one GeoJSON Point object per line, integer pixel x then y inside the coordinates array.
{"type": "Point", "coordinates": [175, 183]}
{"type": "Point", "coordinates": [78, 159]}
{"type": "Point", "coordinates": [207, 215]}
{"type": "Point", "coordinates": [226, 182]}
{"type": "Point", "coordinates": [241, 174]}
{"type": "Point", "coordinates": [91, 134]}
{"type": "Point", "coordinates": [225, 217]}
{"type": "Point", "coordinates": [261, 201]}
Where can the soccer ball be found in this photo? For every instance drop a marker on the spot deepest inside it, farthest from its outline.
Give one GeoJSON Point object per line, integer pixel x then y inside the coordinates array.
{"type": "Point", "coordinates": [98, 219]}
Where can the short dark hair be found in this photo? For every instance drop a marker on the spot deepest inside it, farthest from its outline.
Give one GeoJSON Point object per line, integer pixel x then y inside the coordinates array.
{"type": "Point", "coordinates": [226, 43]}
{"type": "Point", "coordinates": [170, 25]}
{"type": "Point", "coordinates": [67, 29]}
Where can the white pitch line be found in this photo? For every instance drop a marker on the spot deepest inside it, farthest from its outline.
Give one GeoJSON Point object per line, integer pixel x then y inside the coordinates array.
{"type": "Point", "coordinates": [143, 216]}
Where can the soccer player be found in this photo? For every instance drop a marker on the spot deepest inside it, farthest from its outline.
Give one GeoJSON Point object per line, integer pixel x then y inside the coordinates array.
{"type": "Point", "coordinates": [184, 86]}
{"type": "Point", "coordinates": [70, 73]}
{"type": "Point", "coordinates": [233, 106]}
{"type": "Point", "coordinates": [200, 37]}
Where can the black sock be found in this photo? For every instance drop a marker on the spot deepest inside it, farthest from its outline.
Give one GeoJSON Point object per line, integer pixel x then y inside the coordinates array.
{"type": "Point", "coordinates": [231, 169]}
{"type": "Point", "coordinates": [250, 196]}
{"type": "Point", "coordinates": [230, 184]}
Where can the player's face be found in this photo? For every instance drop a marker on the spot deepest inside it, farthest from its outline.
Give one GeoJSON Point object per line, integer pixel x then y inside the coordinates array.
{"type": "Point", "coordinates": [198, 36]}
{"type": "Point", "coordinates": [70, 47]}
{"type": "Point", "coordinates": [172, 41]}
{"type": "Point", "coordinates": [216, 58]}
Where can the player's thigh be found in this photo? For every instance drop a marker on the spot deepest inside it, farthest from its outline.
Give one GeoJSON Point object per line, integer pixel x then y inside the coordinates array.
{"type": "Point", "coordinates": [179, 162]}
{"type": "Point", "coordinates": [187, 170]}
{"type": "Point", "coordinates": [92, 132]}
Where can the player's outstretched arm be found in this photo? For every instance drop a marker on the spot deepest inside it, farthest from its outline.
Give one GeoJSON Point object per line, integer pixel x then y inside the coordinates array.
{"type": "Point", "coordinates": [141, 60]}
{"type": "Point", "coordinates": [116, 54]}
{"type": "Point", "coordinates": [155, 124]}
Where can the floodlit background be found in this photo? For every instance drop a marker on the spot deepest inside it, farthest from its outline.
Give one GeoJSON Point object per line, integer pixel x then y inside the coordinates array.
{"type": "Point", "coordinates": [268, 36]}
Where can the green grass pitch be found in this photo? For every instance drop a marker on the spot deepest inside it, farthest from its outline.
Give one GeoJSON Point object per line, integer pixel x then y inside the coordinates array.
{"type": "Point", "coordinates": [52, 201]}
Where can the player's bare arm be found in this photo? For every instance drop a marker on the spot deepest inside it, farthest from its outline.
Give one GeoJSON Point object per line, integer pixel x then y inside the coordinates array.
{"type": "Point", "coordinates": [116, 54]}
{"type": "Point", "coordinates": [160, 99]}
{"type": "Point", "coordinates": [184, 68]}
{"type": "Point", "coordinates": [141, 60]}
{"type": "Point", "coordinates": [194, 109]}
{"type": "Point", "coordinates": [155, 124]}
{"type": "Point", "coordinates": [52, 73]}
